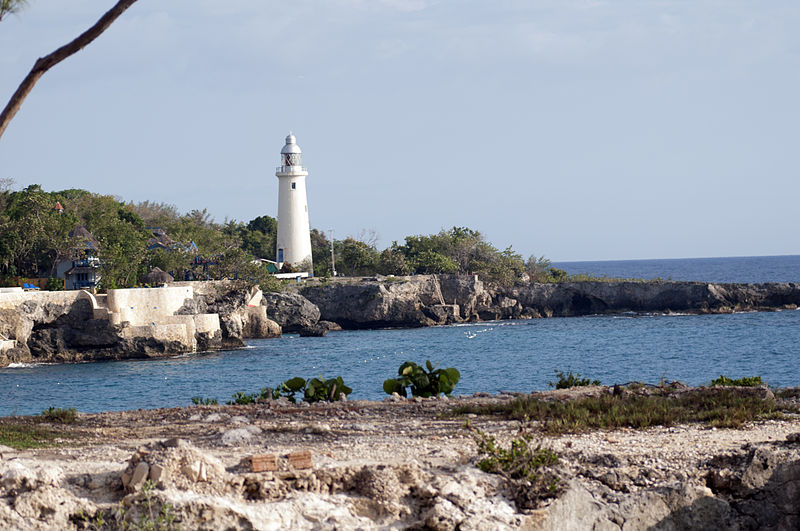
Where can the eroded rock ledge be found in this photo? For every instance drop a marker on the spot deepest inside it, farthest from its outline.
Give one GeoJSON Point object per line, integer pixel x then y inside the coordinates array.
{"type": "Point", "coordinates": [394, 465]}
{"type": "Point", "coordinates": [426, 300]}
{"type": "Point", "coordinates": [197, 316]}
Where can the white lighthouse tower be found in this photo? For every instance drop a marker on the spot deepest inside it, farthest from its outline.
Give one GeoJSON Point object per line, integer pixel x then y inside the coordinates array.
{"type": "Point", "coordinates": [294, 236]}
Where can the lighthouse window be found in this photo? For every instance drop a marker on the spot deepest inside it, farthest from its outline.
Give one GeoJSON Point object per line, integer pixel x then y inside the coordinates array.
{"type": "Point", "coordinates": [293, 186]}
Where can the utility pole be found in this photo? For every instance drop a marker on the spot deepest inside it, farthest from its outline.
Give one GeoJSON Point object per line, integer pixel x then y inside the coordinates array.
{"type": "Point", "coordinates": [333, 260]}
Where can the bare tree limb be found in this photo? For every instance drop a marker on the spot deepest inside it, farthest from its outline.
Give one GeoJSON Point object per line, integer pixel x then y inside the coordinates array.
{"type": "Point", "coordinates": [43, 64]}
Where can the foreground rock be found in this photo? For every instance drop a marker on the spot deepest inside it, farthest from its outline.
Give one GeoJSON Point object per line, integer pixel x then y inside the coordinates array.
{"type": "Point", "coordinates": [396, 465]}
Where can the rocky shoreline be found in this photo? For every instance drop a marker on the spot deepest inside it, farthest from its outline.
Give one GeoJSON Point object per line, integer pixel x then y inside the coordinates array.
{"type": "Point", "coordinates": [197, 316]}
{"type": "Point", "coordinates": [397, 464]}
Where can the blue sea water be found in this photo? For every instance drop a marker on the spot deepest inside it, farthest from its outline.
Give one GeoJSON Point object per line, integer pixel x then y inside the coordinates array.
{"type": "Point", "coordinates": [492, 357]}
{"type": "Point", "coordinates": [732, 269]}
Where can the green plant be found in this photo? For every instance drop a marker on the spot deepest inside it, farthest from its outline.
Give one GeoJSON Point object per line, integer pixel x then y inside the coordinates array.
{"type": "Point", "coordinates": [200, 401]}
{"type": "Point", "coordinates": [322, 390]}
{"type": "Point", "coordinates": [524, 466]}
{"type": "Point", "coordinates": [718, 407]}
{"type": "Point", "coordinates": [314, 390]}
{"type": "Point", "coordinates": [747, 381]}
{"type": "Point", "coordinates": [571, 380]}
{"type": "Point", "coordinates": [21, 436]}
{"type": "Point", "coordinates": [422, 383]}
{"type": "Point", "coordinates": [520, 461]}
{"type": "Point", "coordinates": [57, 414]}
{"type": "Point", "coordinates": [240, 398]}
{"type": "Point", "coordinates": [55, 284]}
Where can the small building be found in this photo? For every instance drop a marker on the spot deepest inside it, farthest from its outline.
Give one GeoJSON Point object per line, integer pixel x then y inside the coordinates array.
{"type": "Point", "coordinates": [81, 269]}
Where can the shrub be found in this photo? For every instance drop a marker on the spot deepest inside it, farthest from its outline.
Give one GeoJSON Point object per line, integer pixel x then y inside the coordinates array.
{"type": "Point", "coordinates": [57, 414]}
{"type": "Point", "coordinates": [314, 390]}
{"type": "Point", "coordinates": [747, 381]}
{"type": "Point", "coordinates": [720, 407]}
{"type": "Point", "coordinates": [199, 401]}
{"type": "Point", "coordinates": [572, 380]}
{"type": "Point", "coordinates": [523, 465]}
{"type": "Point", "coordinates": [422, 383]}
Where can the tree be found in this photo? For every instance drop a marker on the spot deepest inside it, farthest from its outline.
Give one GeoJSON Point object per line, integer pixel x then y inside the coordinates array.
{"type": "Point", "coordinates": [8, 7]}
{"type": "Point", "coordinates": [43, 64]}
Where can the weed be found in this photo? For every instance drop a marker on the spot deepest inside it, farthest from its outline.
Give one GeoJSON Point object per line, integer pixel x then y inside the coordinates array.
{"type": "Point", "coordinates": [570, 380]}
{"type": "Point", "coordinates": [22, 437]}
{"type": "Point", "coordinates": [423, 383]}
{"type": "Point", "coordinates": [200, 401]}
{"type": "Point", "coordinates": [522, 464]}
{"type": "Point", "coordinates": [57, 414]}
{"type": "Point", "coordinates": [718, 407]}
{"type": "Point", "coordinates": [747, 381]}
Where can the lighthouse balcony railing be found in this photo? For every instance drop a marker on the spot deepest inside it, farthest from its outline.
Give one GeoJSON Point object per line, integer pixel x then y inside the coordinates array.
{"type": "Point", "coordinates": [290, 169]}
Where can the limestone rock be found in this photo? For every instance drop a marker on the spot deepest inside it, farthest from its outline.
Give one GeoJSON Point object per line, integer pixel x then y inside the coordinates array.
{"type": "Point", "coordinates": [292, 311]}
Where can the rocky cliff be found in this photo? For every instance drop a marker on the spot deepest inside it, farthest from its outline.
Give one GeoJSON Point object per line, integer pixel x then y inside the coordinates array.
{"type": "Point", "coordinates": [128, 324]}
{"type": "Point", "coordinates": [190, 316]}
{"type": "Point", "coordinates": [443, 299]}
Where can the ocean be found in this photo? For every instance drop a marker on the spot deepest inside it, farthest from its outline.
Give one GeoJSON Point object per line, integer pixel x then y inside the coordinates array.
{"type": "Point", "coordinates": [515, 355]}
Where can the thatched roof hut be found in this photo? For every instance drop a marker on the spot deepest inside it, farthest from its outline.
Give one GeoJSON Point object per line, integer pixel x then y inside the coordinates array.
{"type": "Point", "coordinates": [156, 277]}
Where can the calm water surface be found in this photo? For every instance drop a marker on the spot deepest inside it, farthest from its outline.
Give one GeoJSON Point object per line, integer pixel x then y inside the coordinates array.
{"type": "Point", "coordinates": [492, 357]}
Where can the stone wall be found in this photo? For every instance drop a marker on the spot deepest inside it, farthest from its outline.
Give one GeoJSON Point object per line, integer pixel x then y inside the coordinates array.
{"type": "Point", "coordinates": [147, 305]}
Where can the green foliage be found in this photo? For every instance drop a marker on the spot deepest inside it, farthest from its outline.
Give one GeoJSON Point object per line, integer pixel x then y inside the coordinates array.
{"type": "Point", "coordinates": [322, 390]}
{"type": "Point", "coordinates": [55, 284]}
{"type": "Point", "coordinates": [240, 398]}
{"type": "Point", "coordinates": [314, 390]}
{"type": "Point", "coordinates": [572, 380]}
{"type": "Point", "coordinates": [200, 401]}
{"type": "Point", "coordinates": [747, 381]}
{"type": "Point", "coordinates": [520, 461]}
{"type": "Point", "coordinates": [11, 6]}
{"type": "Point", "coordinates": [57, 414]}
{"type": "Point", "coordinates": [423, 383]}
{"type": "Point", "coordinates": [718, 407]}
{"type": "Point", "coordinates": [23, 436]}
{"type": "Point", "coordinates": [356, 258]}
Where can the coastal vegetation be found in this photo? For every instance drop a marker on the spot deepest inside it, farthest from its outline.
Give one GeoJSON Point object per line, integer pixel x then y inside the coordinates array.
{"type": "Point", "coordinates": [40, 229]}
{"type": "Point", "coordinates": [747, 381]}
{"type": "Point", "coordinates": [572, 380]}
{"type": "Point", "coordinates": [716, 407]}
{"type": "Point", "coordinates": [525, 467]}
{"type": "Point", "coordinates": [22, 436]}
{"type": "Point", "coordinates": [61, 415]}
{"type": "Point", "coordinates": [313, 390]}
{"type": "Point", "coordinates": [422, 382]}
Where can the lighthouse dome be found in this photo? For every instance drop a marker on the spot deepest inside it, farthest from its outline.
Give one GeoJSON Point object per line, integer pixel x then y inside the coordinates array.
{"type": "Point", "coordinates": [291, 146]}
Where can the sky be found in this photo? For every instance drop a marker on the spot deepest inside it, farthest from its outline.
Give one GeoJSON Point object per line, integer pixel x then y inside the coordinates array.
{"type": "Point", "coordinates": [574, 129]}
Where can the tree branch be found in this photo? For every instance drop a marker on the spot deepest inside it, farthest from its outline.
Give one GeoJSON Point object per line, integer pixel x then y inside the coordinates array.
{"type": "Point", "coordinates": [43, 64]}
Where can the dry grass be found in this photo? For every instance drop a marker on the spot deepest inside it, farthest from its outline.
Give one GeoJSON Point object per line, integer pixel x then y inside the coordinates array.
{"type": "Point", "coordinates": [720, 407]}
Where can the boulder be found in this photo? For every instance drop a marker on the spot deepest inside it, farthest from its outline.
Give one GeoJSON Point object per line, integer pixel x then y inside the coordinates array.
{"type": "Point", "coordinates": [292, 311]}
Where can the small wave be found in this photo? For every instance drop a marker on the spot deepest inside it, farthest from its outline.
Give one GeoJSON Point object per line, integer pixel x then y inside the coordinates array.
{"type": "Point", "coordinates": [26, 365]}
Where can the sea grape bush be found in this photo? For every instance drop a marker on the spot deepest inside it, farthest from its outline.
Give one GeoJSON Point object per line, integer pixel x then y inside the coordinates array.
{"type": "Point", "coordinates": [747, 381]}
{"type": "Point", "coordinates": [571, 380]}
{"type": "Point", "coordinates": [314, 390]}
{"type": "Point", "coordinates": [423, 383]}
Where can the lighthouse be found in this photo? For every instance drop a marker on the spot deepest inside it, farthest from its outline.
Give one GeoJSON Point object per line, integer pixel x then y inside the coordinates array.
{"type": "Point", "coordinates": [294, 236]}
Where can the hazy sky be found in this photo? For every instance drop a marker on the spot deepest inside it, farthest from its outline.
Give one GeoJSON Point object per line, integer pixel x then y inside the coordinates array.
{"type": "Point", "coordinates": [581, 130]}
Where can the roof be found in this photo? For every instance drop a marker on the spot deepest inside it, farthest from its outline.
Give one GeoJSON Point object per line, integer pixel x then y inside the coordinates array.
{"type": "Point", "coordinates": [82, 233]}
{"type": "Point", "coordinates": [80, 269]}
{"type": "Point", "coordinates": [160, 239]}
{"type": "Point", "coordinates": [291, 145]}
